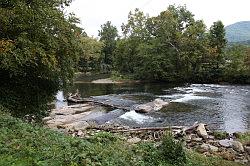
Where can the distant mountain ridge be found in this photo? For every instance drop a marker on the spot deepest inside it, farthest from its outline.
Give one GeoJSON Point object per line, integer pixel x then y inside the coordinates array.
{"type": "Point", "coordinates": [238, 32]}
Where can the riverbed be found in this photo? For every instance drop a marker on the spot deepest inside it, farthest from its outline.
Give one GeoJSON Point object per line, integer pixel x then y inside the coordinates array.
{"type": "Point", "coordinates": [222, 107]}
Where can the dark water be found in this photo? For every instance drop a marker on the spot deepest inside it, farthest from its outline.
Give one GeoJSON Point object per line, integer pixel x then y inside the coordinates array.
{"type": "Point", "coordinates": [222, 107]}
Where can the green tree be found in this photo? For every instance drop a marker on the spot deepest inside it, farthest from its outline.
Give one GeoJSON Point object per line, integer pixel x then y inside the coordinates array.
{"type": "Point", "coordinates": [217, 43]}
{"type": "Point", "coordinates": [237, 66]}
{"type": "Point", "coordinates": [91, 57]}
{"type": "Point", "coordinates": [134, 35]}
{"type": "Point", "coordinates": [108, 35]}
{"type": "Point", "coordinates": [39, 46]}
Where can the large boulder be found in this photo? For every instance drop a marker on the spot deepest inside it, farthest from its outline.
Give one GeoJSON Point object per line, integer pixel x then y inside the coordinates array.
{"type": "Point", "coordinates": [237, 146]}
{"type": "Point", "coordinates": [78, 125]}
{"type": "Point", "coordinates": [201, 131]}
{"type": "Point", "coordinates": [225, 143]}
{"type": "Point", "coordinates": [155, 105]}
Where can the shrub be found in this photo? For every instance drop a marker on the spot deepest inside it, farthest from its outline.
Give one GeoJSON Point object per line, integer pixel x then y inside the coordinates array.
{"type": "Point", "coordinates": [173, 150]}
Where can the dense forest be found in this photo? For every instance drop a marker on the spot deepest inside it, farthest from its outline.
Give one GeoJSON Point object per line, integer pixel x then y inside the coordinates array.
{"type": "Point", "coordinates": [173, 47]}
{"type": "Point", "coordinates": [41, 48]}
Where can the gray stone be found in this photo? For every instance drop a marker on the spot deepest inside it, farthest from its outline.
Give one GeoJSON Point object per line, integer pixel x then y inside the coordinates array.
{"type": "Point", "coordinates": [47, 119]}
{"type": "Point", "coordinates": [247, 149]}
{"type": "Point", "coordinates": [210, 148]}
{"type": "Point", "coordinates": [80, 125]}
{"type": "Point", "coordinates": [80, 133]}
{"type": "Point", "coordinates": [197, 139]}
{"type": "Point", "coordinates": [225, 143]}
{"type": "Point", "coordinates": [155, 105]}
{"type": "Point", "coordinates": [201, 131]}
{"type": "Point", "coordinates": [237, 146]}
{"type": "Point", "coordinates": [134, 140]}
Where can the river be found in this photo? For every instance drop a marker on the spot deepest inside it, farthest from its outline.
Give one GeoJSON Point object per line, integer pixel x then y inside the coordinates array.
{"type": "Point", "coordinates": [222, 107]}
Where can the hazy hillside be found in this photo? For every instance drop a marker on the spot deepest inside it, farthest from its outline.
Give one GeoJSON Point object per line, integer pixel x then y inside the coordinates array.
{"type": "Point", "coordinates": [238, 32]}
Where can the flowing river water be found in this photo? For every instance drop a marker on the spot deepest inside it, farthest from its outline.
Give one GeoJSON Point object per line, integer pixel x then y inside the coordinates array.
{"type": "Point", "coordinates": [222, 107]}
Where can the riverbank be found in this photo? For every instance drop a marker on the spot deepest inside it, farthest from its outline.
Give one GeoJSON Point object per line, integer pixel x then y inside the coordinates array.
{"type": "Point", "coordinates": [86, 120]}
{"type": "Point", "coordinates": [25, 144]}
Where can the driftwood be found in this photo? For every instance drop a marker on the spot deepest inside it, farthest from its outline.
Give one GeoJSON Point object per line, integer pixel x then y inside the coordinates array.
{"type": "Point", "coordinates": [177, 130]}
{"type": "Point", "coordinates": [139, 129]}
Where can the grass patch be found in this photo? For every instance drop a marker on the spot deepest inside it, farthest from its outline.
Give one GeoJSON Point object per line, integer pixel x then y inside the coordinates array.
{"type": "Point", "coordinates": [30, 145]}
{"type": "Point", "coordinates": [220, 134]}
{"type": "Point", "coordinates": [244, 137]}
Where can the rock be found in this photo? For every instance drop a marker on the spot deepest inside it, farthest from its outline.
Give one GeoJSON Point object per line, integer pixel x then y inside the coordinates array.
{"type": "Point", "coordinates": [213, 142]}
{"type": "Point", "coordinates": [80, 133]}
{"type": "Point", "coordinates": [227, 155]}
{"type": "Point", "coordinates": [206, 147]}
{"type": "Point", "coordinates": [225, 143]}
{"type": "Point", "coordinates": [247, 149]}
{"type": "Point", "coordinates": [197, 139]}
{"type": "Point", "coordinates": [134, 140]}
{"type": "Point", "coordinates": [211, 137]}
{"type": "Point", "coordinates": [143, 109]}
{"type": "Point", "coordinates": [62, 120]}
{"type": "Point", "coordinates": [159, 103]}
{"type": "Point", "coordinates": [68, 110]}
{"type": "Point", "coordinates": [155, 105]}
{"type": "Point", "coordinates": [79, 125]}
{"type": "Point", "coordinates": [201, 131]}
{"type": "Point", "coordinates": [232, 151]}
{"type": "Point", "coordinates": [47, 119]}
{"type": "Point", "coordinates": [237, 146]}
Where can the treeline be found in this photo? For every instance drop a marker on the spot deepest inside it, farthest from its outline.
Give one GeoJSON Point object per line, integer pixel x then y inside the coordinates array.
{"type": "Point", "coordinates": [173, 47]}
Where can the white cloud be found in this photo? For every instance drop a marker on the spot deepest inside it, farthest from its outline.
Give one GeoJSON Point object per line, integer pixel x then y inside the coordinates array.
{"type": "Point", "coordinates": [94, 13]}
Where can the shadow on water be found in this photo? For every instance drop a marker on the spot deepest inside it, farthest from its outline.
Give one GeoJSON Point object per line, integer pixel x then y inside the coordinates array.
{"type": "Point", "coordinates": [221, 107]}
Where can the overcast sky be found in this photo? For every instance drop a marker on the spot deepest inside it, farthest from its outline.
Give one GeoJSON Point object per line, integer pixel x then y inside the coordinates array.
{"type": "Point", "coordinates": [94, 13]}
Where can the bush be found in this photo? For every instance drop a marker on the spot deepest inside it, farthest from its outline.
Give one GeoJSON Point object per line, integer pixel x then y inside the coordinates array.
{"type": "Point", "coordinates": [173, 151]}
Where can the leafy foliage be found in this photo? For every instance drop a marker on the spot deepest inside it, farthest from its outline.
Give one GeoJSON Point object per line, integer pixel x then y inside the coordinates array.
{"type": "Point", "coordinates": [237, 66]}
{"type": "Point", "coordinates": [91, 57]}
{"type": "Point", "coordinates": [39, 46]}
{"type": "Point", "coordinates": [108, 35]}
{"type": "Point", "coordinates": [174, 47]}
{"type": "Point", "coordinates": [173, 151]}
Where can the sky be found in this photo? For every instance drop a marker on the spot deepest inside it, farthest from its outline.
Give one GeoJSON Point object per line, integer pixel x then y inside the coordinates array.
{"type": "Point", "coordinates": [94, 13]}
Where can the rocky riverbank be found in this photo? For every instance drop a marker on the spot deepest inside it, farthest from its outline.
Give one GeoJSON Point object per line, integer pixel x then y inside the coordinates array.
{"type": "Point", "coordinates": [85, 120]}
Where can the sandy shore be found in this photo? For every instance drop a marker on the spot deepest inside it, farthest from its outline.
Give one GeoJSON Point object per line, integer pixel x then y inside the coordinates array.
{"type": "Point", "coordinates": [105, 81]}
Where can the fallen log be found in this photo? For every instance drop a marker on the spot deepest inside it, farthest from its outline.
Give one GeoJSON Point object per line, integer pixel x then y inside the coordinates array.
{"type": "Point", "coordinates": [138, 129]}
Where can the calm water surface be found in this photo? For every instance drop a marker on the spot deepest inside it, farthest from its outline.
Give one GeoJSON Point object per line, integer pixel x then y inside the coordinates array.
{"type": "Point", "coordinates": [222, 107]}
